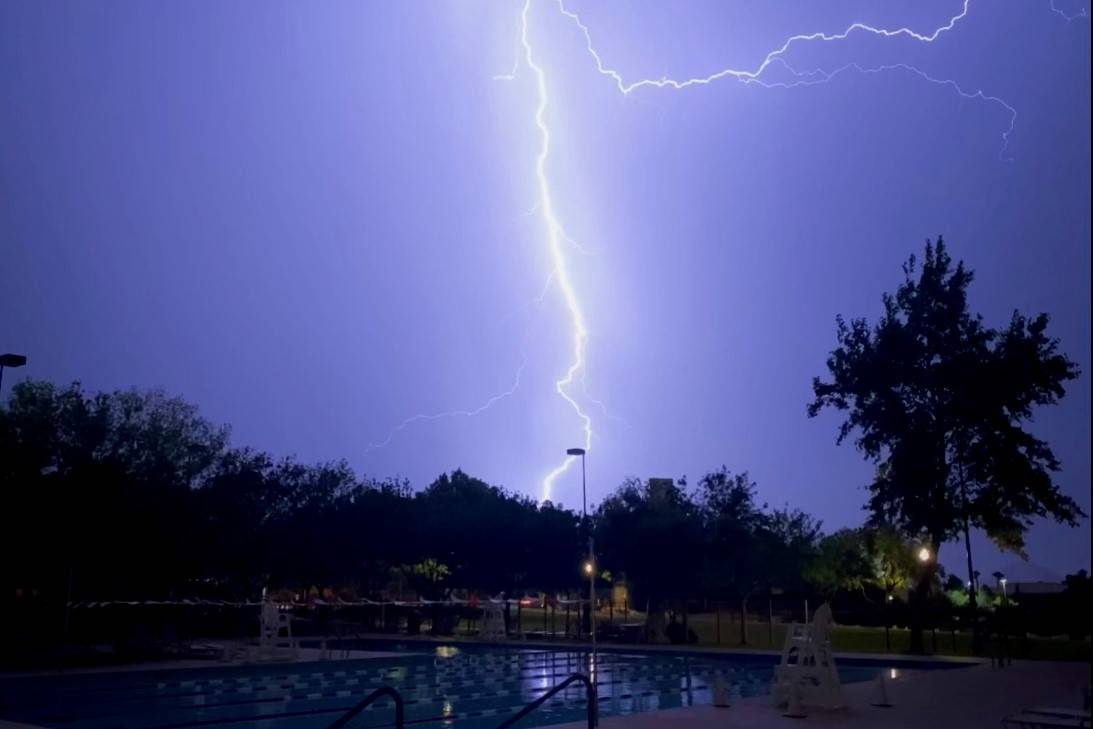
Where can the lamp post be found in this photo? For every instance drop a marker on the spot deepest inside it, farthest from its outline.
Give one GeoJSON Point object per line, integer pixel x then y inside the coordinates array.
{"type": "Point", "coordinates": [10, 360]}
{"type": "Point", "coordinates": [590, 567]}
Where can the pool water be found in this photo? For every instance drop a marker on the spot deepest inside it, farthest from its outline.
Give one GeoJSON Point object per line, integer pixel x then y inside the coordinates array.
{"type": "Point", "coordinates": [444, 686]}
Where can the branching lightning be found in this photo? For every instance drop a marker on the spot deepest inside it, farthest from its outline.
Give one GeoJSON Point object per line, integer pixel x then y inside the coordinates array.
{"type": "Point", "coordinates": [820, 76]}
{"type": "Point", "coordinates": [554, 229]}
{"type": "Point", "coordinates": [813, 77]}
{"type": "Point", "coordinates": [450, 413]}
{"type": "Point", "coordinates": [752, 76]}
{"type": "Point", "coordinates": [1082, 13]}
{"type": "Point", "coordinates": [760, 75]}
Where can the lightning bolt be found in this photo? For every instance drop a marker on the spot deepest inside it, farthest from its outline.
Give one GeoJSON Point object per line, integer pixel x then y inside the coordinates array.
{"type": "Point", "coordinates": [816, 76]}
{"type": "Point", "coordinates": [424, 417]}
{"type": "Point", "coordinates": [820, 76]}
{"type": "Point", "coordinates": [760, 75]}
{"type": "Point", "coordinates": [555, 233]}
{"type": "Point", "coordinates": [556, 236]}
{"type": "Point", "coordinates": [1082, 13]}
{"type": "Point", "coordinates": [753, 75]}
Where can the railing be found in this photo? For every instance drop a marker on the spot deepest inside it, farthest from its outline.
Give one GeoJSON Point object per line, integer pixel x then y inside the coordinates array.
{"type": "Point", "coordinates": [590, 690]}
{"type": "Point", "coordinates": [400, 715]}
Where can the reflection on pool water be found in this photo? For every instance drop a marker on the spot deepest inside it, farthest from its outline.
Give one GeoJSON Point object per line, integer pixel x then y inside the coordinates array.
{"type": "Point", "coordinates": [458, 686]}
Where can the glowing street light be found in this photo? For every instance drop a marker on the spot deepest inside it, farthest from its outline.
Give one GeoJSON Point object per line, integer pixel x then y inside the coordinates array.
{"type": "Point", "coordinates": [924, 555]}
{"type": "Point", "coordinates": [588, 568]}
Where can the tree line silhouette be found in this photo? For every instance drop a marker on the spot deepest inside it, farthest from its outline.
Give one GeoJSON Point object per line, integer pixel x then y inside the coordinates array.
{"type": "Point", "coordinates": [131, 495]}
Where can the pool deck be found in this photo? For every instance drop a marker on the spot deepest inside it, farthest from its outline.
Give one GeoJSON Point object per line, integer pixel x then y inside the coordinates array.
{"type": "Point", "coordinates": [979, 696]}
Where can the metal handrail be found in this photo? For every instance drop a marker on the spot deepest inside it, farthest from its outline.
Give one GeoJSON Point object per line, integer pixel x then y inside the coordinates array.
{"type": "Point", "coordinates": [590, 690]}
{"type": "Point", "coordinates": [400, 714]}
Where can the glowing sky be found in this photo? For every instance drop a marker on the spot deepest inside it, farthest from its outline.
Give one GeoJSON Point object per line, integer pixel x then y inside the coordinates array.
{"type": "Point", "coordinates": [327, 225]}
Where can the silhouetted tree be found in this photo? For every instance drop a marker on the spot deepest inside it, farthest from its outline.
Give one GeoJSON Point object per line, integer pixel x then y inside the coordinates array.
{"type": "Point", "coordinates": [892, 558]}
{"type": "Point", "coordinates": [730, 520]}
{"type": "Point", "coordinates": [842, 563]}
{"type": "Point", "coordinates": [651, 531]}
{"type": "Point", "coordinates": [747, 547]}
{"type": "Point", "coordinates": [938, 401]}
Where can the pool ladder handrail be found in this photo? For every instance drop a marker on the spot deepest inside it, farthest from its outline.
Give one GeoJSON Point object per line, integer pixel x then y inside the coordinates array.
{"type": "Point", "coordinates": [590, 690]}
{"type": "Point", "coordinates": [400, 712]}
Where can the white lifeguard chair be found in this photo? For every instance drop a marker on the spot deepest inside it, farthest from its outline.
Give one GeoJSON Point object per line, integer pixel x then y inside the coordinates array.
{"type": "Point", "coordinates": [493, 621]}
{"type": "Point", "coordinates": [808, 665]}
{"type": "Point", "coordinates": [275, 633]}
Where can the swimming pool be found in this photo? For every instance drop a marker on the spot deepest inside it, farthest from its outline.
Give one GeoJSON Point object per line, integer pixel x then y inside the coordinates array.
{"type": "Point", "coordinates": [449, 686]}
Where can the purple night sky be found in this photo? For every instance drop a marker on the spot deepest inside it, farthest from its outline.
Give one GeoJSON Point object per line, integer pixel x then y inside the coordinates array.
{"type": "Point", "coordinates": [319, 220]}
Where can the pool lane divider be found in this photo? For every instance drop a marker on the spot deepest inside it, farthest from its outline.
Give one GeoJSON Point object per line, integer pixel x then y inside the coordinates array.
{"type": "Point", "coordinates": [560, 703]}
{"type": "Point", "coordinates": [442, 719]}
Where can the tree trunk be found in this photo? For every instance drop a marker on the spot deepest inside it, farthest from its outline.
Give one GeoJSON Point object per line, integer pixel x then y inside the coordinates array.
{"type": "Point", "coordinates": [744, 619]}
{"type": "Point", "coordinates": [973, 590]}
{"type": "Point", "coordinates": [654, 622]}
{"type": "Point", "coordinates": [973, 586]}
{"type": "Point", "coordinates": [887, 620]}
{"type": "Point", "coordinates": [918, 607]}
{"type": "Point", "coordinates": [770, 620]}
{"type": "Point", "coordinates": [920, 597]}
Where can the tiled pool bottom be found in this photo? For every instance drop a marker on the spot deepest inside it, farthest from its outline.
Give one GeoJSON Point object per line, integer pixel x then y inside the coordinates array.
{"type": "Point", "coordinates": [456, 687]}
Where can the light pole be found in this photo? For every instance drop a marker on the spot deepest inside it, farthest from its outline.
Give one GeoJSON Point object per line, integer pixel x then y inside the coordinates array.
{"type": "Point", "coordinates": [591, 566]}
{"type": "Point", "coordinates": [10, 360]}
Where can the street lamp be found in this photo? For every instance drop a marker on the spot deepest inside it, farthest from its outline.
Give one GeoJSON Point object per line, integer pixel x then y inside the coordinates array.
{"type": "Point", "coordinates": [1002, 581]}
{"type": "Point", "coordinates": [924, 555]}
{"type": "Point", "coordinates": [589, 567]}
{"type": "Point", "coordinates": [10, 360]}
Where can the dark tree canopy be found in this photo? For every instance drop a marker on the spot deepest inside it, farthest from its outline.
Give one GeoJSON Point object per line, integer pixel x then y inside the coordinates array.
{"type": "Point", "coordinates": [134, 495]}
{"type": "Point", "coordinates": [650, 531]}
{"type": "Point", "coordinates": [674, 543]}
{"type": "Point", "coordinates": [941, 402]}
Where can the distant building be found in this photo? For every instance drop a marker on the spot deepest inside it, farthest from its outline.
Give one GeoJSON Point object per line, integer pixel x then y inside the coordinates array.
{"type": "Point", "coordinates": [1035, 588]}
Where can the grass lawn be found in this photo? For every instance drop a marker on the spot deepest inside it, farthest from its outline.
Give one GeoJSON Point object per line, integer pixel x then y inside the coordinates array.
{"type": "Point", "coordinates": [848, 638]}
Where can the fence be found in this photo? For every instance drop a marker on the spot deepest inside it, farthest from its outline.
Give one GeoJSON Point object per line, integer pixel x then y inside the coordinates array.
{"type": "Point", "coordinates": [136, 629]}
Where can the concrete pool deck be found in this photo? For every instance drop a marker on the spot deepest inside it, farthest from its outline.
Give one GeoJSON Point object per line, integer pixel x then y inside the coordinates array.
{"type": "Point", "coordinates": [971, 698]}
